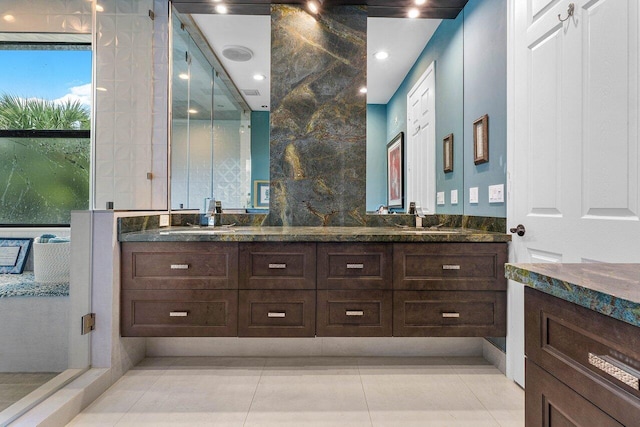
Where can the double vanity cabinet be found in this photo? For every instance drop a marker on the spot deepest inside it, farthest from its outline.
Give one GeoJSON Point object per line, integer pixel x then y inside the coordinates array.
{"type": "Point", "coordinates": [316, 285]}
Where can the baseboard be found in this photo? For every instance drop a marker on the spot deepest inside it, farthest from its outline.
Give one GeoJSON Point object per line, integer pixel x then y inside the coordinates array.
{"type": "Point", "coordinates": [494, 355]}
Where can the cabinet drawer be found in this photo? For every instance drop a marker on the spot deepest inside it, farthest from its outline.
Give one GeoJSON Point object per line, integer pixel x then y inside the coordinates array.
{"type": "Point", "coordinates": [461, 314]}
{"type": "Point", "coordinates": [176, 265]}
{"type": "Point", "coordinates": [179, 313]}
{"type": "Point", "coordinates": [277, 265]}
{"type": "Point", "coordinates": [550, 403]}
{"type": "Point", "coordinates": [449, 266]}
{"type": "Point", "coordinates": [354, 266]}
{"type": "Point", "coordinates": [354, 313]}
{"type": "Point", "coordinates": [279, 313]}
{"type": "Point", "coordinates": [596, 355]}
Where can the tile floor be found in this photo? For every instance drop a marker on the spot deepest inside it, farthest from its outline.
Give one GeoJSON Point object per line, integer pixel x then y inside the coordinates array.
{"type": "Point", "coordinates": [194, 391]}
{"type": "Point", "coordinates": [16, 385]}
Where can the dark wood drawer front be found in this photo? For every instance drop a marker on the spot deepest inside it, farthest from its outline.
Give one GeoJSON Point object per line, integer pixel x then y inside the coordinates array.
{"type": "Point", "coordinates": [449, 266]}
{"type": "Point", "coordinates": [179, 313]}
{"type": "Point", "coordinates": [277, 266]}
{"type": "Point", "coordinates": [597, 356]}
{"type": "Point", "coordinates": [175, 265]}
{"type": "Point", "coordinates": [277, 313]}
{"type": "Point", "coordinates": [354, 313]}
{"type": "Point", "coordinates": [418, 313]}
{"type": "Point", "coordinates": [550, 403]}
{"type": "Point", "coordinates": [354, 266]}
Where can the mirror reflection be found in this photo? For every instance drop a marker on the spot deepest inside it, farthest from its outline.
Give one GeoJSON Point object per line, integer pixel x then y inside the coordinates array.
{"type": "Point", "coordinates": [222, 151]}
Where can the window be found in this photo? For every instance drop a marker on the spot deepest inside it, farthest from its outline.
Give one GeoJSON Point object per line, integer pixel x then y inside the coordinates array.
{"type": "Point", "coordinates": [45, 146]}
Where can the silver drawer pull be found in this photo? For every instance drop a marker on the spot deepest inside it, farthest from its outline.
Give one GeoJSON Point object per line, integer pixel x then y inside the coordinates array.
{"type": "Point", "coordinates": [355, 266]}
{"type": "Point", "coordinates": [179, 266]}
{"type": "Point", "coordinates": [450, 315]}
{"type": "Point", "coordinates": [355, 313]}
{"type": "Point", "coordinates": [178, 313]}
{"type": "Point", "coordinates": [450, 267]}
{"type": "Point", "coordinates": [278, 266]}
{"type": "Point", "coordinates": [276, 314]}
{"type": "Point", "coordinates": [616, 369]}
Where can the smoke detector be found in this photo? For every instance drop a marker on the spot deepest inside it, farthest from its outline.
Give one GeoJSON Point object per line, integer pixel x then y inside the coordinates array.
{"type": "Point", "coordinates": [237, 53]}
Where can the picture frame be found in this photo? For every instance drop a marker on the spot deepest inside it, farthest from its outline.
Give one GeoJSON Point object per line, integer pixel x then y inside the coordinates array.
{"type": "Point", "coordinates": [13, 254]}
{"type": "Point", "coordinates": [481, 140]}
{"type": "Point", "coordinates": [447, 153]}
{"type": "Point", "coordinates": [261, 190]}
{"type": "Point", "coordinates": [395, 172]}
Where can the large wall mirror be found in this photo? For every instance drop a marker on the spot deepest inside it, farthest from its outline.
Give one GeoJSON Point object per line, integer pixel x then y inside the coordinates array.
{"type": "Point", "coordinates": [220, 124]}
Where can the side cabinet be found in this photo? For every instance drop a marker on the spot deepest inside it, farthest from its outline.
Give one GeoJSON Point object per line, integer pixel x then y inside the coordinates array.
{"type": "Point", "coordinates": [355, 290]}
{"type": "Point", "coordinates": [179, 289]}
{"type": "Point", "coordinates": [581, 365]}
{"type": "Point", "coordinates": [277, 290]}
{"type": "Point", "coordinates": [449, 289]}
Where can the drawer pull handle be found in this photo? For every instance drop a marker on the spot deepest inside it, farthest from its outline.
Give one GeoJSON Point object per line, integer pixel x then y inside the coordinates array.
{"type": "Point", "coordinates": [278, 266]}
{"type": "Point", "coordinates": [616, 369]}
{"type": "Point", "coordinates": [450, 267]}
{"type": "Point", "coordinates": [178, 313]}
{"type": "Point", "coordinates": [276, 314]}
{"type": "Point", "coordinates": [450, 315]}
{"type": "Point", "coordinates": [179, 266]}
{"type": "Point", "coordinates": [355, 266]}
{"type": "Point", "coordinates": [355, 313]}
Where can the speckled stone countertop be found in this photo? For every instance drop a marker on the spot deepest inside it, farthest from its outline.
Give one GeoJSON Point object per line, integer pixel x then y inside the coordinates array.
{"type": "Point", "coordinates": [311, 234]}
{"type": "Point", "coordinates": [610, 289]}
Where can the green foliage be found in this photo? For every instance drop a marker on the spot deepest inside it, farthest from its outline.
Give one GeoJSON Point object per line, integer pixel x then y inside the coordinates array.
{"type": "Point", "coordinates": [18, 113]}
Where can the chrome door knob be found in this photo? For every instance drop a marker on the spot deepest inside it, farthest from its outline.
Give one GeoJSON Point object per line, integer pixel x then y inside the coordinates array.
{"type": "Point", "coordinates": [519, 230]}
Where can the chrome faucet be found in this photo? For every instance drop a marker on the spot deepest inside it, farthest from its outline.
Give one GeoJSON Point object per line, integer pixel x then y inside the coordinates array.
{"type": "Point", "coordinates": [210, 211]}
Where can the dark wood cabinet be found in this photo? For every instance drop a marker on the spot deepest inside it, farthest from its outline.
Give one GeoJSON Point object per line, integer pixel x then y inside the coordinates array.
{"type": "Point", "coordinates": [355, 266]}
{"type": "Point", "coordinates": [354, 313]}
{"type": "Point", "coordinates": [277, 313]}
{"type": "Point", "coordinates": [278, 266]}
{"type": "Point", "coordinates": [592, 355]}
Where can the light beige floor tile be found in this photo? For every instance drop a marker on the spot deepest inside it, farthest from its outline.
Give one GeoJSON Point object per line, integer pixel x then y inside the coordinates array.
{"type": "Point", "coordinates": [308, 419]}
{"type": "Point", "coordinates": [182, 419]}
{"type": "Point", "coordinates": [417, 418]}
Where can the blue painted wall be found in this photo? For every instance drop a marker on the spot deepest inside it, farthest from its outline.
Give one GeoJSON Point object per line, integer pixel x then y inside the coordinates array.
{"type": "Point", "coordinates": [376, 156]}
{"type": "Point", "coordinates": [259, 147]}
{"type": "Point", "coordinates": [485, 92]}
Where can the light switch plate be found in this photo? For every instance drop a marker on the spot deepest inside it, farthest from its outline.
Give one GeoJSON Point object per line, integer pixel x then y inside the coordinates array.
{"type": "Point", "coordinates": [473, 195]}
{"type": "Point", "coordinates": [440, 198]}
{"type": "Point", "coordinates": [454, 197]}
{"type": "Point", "coordinates": [164, 220]}
{"type": "Point", "coordinates": [496, 193]}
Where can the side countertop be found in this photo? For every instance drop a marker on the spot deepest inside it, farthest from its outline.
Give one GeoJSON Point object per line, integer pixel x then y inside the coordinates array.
{"type": "Point", "coordinates": [610, 289]}
{"type": "Point", "coordinates": [312, 234]}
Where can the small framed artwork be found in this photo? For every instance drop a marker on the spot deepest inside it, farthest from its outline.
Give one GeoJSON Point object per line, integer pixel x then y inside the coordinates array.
{"type": "Point", "coordinates": [260, 194]}
{"type": "Point", "coordinates": [14, 254]}
{"type": "Point", "coordinates": [481, 140]}
{"type": "Point", "coordinates": [395, 172]}
{"type": "Point", "coordinates": [447, 153]}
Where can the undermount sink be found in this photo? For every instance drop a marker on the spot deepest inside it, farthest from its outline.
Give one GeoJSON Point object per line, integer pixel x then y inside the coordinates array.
{"type": "Point", "coordinates": [200, 231]}
{"type": "Point", "coordinates": [427, 231]}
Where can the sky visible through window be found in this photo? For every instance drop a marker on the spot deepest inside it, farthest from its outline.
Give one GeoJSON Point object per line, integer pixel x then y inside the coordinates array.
{"type": "Point", "coordinates": [53, 75]}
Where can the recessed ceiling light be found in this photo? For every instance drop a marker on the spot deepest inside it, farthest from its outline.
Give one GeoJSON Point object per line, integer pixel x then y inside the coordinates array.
{"type": "Point", "coordinates": [9, 18]}
{"type": "Point", "coordinates": [381, 55]}
{"type": "Point", "coordinates": [420, 2]}
{"type": "Point", "coordinates": [363, 90]}
{"type": "Point", "coordinates": [99, 8]}
{"type": "Point", "coordinates": [192, 111]}
{"type": "Point", "coordinates": [222, 9]}
{"type": "Point", "coordinates": [184, 76]}
{"type": "Point", "coordinates": [259, 77]}
{"type": "Point", "coordinates": [101, 89]}
{"type": "Point", "coordinates": [313, 7]}
{"type": "Point", "coordinates": [217, 1]}
{"type": "Point", "coordinates": [413, 13]}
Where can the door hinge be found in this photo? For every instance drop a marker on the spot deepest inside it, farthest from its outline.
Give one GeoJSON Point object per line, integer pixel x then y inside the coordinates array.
{"type": "Point", "coordinates": [88, 323]}
{"type": "Point", "coordinates": [152, 15]}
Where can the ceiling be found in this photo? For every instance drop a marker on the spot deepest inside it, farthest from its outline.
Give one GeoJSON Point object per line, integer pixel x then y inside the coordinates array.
{"type": "Point", "coordinates": [403, 39]}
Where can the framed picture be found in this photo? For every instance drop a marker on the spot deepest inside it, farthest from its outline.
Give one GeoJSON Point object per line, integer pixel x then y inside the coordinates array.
{"type": "Point", "coordinates": [260, 194]}
{"type": "Point", "coordinates": [395, 172]}
{"type": "Point", "coordinates": [481, 140]}
{"type": "Point", "coordinates": [14, 254]}
{"type": "Point", "coordinates": [447, 153]}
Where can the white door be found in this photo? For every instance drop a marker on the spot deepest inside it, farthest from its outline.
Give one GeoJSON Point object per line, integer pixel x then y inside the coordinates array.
{"type": "Point", "coordinates": [573, 140]}
{"type": "Point", "coordinates": [421, 142]}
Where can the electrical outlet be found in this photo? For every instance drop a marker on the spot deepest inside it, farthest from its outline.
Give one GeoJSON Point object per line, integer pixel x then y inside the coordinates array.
{"type": "Point", "coordinates": [440, 198]}
{"type": "Point", "coordinates": [164, 220]}
{"type": "Point", "coordinates": [473, 195]}
{"type": "Point", "coordinates": [496, 193]}
{"type": "Point", "coordinates": [454, 197]}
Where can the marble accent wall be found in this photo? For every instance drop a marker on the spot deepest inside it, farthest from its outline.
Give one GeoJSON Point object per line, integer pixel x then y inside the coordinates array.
{"type": "Point", "coordinates": [318, 119]}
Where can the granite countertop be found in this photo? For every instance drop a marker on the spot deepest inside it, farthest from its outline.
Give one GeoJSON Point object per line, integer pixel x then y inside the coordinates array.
{"type": "Point", "coordinates": [311, 234]}
{"type": "Point", "coordinates": [610, 289]}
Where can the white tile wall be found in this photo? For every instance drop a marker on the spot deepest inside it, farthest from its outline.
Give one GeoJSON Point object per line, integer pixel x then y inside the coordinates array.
{"type": "Point", "coordinates": [51, 16]}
